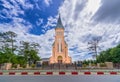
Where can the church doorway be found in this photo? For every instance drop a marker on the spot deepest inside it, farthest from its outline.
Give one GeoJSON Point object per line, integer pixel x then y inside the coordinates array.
{"type": "Point", "coordinates": [59, 59]}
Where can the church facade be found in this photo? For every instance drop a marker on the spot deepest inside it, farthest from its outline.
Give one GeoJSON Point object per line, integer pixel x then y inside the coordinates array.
{"type": "Point", "coordinates": [60, 47]}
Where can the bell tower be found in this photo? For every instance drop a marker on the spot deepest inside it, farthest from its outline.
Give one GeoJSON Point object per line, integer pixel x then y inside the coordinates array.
{"type": "Point", "coordinates": [60, 47]}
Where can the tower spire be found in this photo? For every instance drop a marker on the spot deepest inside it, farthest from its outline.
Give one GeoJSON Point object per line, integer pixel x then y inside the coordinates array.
{"type": "Point", "coordinates": [59, 23]}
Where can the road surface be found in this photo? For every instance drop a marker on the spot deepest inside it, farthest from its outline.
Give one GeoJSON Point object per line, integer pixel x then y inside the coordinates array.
{"type": "Point", "coordinates": [62, 78]}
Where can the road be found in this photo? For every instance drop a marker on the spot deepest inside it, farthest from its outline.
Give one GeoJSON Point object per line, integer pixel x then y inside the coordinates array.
{"type": "Point", "coordinates": [62, 78]}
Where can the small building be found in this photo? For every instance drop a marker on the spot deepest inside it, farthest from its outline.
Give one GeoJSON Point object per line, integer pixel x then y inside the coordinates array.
{"type": "Point", "coordinates": [45, 61]}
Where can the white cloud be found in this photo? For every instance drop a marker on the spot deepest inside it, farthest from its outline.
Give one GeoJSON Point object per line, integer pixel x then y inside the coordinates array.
{"type": "Point", "coordinates": [21, 27]}
{"type": "Point", "coordinates": [45, 40]}
{"type": "Point", "coordinates": [25, 4]}
{"type": "Point", "coordinates": [15, 27]}
{"type": "Point", "coordinates": [14, 8]}
{"type": "Point", "coordinates": [39, 21]}
{"type": "Point", "coordinates": [81, 29]}
{"type": "Point", "coordinates": [48, 2]}
{"type": "Point", "coordinates": [51, 22]}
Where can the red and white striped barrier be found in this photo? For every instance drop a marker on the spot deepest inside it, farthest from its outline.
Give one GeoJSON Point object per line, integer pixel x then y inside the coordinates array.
{"type": "Point", "coordinates": [1, 73]}
{"type": "Point", "coordinates": [100, 73]}
{"type": "Point", "coordinates": [36, 73]}
{"type": "Point", "coordinates": [60, 73]}
{"type": "Point", "coordinates": [49, 73]}
{"type": "Point", "coordinates": [74, 73]}
{"type": "Point", "coordinates": [11, 73]}
{"type": "Point", "coordinates": [113, 73]}
{"type": "Point", "coordinates": [24, 73]}
{"type": "Point", "coordinates": [87, 73]}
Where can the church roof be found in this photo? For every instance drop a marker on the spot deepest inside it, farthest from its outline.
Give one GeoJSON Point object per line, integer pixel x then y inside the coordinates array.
{"type": "Point", "coordinates": [59, 23]}
{"type": "Point", "coordinates": [66, 43]}
{"type": "Point", "coordinates": [45, 59]}
{"type": "Point", "coordinates": [53, 44]}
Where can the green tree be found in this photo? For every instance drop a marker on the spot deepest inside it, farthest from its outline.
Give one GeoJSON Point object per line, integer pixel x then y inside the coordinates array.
{"type": "Point", "coordinates": [110, 55]}
{"type": "Point", "coordinates": [2, 41]}
{"type": "Point", "coordinates": [29, 52]}
{"type": "Point", "coordinates": [10, 38]}
{"type": "Point", "coordinates": [115, 55]}
{"type": "Point", "coordinates": [6, 56]}
{"type": "Point", "coordinates": [7, 47]}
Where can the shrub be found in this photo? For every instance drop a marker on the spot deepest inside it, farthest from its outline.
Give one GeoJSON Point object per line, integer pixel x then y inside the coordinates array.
{"type": "Point", "coordinates": [84, 65]}
{"type": "Point", "coordinates": [33, 65]}
{"type": "Point", "coordinates": [102, 65]}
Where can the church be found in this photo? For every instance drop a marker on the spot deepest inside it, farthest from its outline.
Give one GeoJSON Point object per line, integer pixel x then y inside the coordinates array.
{"type": "Point", "coordinates": [60, 47]}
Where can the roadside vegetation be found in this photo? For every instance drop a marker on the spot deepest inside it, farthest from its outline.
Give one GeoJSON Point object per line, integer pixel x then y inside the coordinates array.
{"type": "Point", "coordinates": [11, 52]}
{"type": "Point", "coordinates": [109, 55]}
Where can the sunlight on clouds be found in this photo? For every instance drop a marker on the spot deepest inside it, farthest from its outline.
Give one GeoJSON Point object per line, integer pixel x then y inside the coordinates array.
{"type": "Point", "coordinates": [79, 27]}
{"type": "Point", "coordinates": [23, 35]}
{"type": "Point", "coordinates": [93, 5]}
{"type": "Point", "coordinates": [90, 9]}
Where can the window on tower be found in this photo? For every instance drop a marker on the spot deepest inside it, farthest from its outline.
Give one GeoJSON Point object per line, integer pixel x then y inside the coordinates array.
{"type": "Point", "coordinates": [59, 45]}
{"type": "Point", "coordinates": [59, 33]}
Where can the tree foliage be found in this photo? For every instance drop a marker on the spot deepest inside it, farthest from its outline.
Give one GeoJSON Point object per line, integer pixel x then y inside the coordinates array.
{"type": "Point", "coordinates": [29, 51]}
{"type": "Point", "coordinates": [110, 55]}
{"type": "Point", "coordinates": [10, 52]}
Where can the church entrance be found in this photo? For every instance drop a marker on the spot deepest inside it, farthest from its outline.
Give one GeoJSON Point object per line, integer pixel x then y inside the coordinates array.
{"type": "Point", "coordinates": [59, 59]}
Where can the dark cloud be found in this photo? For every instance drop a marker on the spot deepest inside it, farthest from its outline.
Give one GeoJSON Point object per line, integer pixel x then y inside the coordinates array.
{"type": "Point", "coordinates": [79, 7]}
{"type": "Point", "coordinates": [108, 12]}
{"type": "Point", "coordinates": [90, 37]}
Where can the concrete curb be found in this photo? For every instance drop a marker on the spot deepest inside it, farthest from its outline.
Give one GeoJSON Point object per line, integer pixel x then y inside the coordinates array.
{"type": "Point", "coordinates": [60, 73]}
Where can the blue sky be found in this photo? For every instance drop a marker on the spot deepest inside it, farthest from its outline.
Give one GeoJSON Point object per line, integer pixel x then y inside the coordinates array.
{"type": "Point", "coordinates": [35, 20]}
{"type": "Point", "coordinates": [39, 9]}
